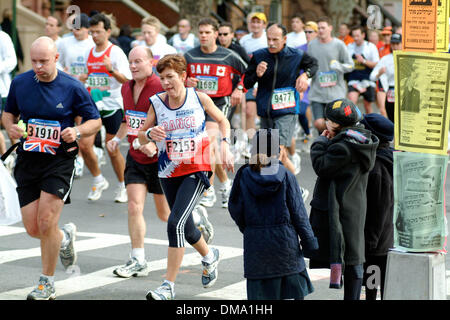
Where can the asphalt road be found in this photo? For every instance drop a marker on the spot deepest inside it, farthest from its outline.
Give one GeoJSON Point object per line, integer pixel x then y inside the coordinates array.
{"type": "Point", "coordinates": [103, 243]}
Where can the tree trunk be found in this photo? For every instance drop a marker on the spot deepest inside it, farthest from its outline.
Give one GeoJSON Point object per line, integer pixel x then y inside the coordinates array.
{"type": "Point", "coordinates": [194, 11]}
{"type": "Point", "coordinates": [340, 11]}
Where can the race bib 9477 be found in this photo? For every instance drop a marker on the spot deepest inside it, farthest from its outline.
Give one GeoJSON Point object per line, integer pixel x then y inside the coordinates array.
{"type": "Point", "coordinates": [283, 98]}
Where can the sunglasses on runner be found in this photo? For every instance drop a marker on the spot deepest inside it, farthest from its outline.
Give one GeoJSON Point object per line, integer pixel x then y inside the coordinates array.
{"type": "Point", "coordinates": [223, 34]}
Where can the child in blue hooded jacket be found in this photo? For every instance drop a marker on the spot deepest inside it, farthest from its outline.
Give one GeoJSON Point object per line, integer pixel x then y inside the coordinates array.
{"type": "Point", "coordinates": [266, 204]}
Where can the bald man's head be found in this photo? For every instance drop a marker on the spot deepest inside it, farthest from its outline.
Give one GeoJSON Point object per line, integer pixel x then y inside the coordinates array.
{"type": "Point", "coordinates": [44, 55]}
{"type": "Point", "coordinates": [140, 59]}
{"type": "Point", "coordinates": [44, 43]}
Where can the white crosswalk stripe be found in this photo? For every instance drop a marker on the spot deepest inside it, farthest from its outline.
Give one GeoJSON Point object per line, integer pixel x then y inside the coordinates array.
{"type": "Point", "coordinates": [78, 282]}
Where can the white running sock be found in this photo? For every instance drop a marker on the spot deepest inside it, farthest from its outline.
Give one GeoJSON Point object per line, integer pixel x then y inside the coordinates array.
{"type": "Point", "coordinates": [122, 185]}
{"type": "Point", "coordinates": [209, 257]}
{"type": "Point", "coordinates": [139, 254]}
{"type": "Point", "coordinates": [98, 179]}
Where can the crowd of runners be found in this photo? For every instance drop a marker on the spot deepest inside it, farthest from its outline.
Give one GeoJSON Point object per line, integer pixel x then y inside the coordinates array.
{"type": "Point", "coordinates": [190, 106]}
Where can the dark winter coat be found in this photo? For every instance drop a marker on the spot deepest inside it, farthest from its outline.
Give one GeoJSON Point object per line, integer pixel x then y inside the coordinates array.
{"type": "Point", "coordinates": [283, 69]}
{"type": "Point", "coordinates": [339, 203]}
{"type": "Point", "coordinates": [379, 228]}
{"type": "Point", "coordinates": [269, 211]}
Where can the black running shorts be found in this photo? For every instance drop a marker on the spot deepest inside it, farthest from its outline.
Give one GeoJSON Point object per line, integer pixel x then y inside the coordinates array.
{"type": "Point", "coordinates": [143, 174]}
{"type": "Point", "coordinates": [36, 172]}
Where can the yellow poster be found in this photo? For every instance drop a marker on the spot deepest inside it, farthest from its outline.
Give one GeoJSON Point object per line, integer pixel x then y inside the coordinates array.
{"type": "Point", "coordinates": [443, 14]}
{"type": "Point", "coordinates": [421, 99]}
{"type": "Point", "coordinates": [419, 21]}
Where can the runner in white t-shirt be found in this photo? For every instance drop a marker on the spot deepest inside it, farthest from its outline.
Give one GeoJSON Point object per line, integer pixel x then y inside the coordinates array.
{"type": "Point", "coordinates": [297, 37]}
{"type": "Point", "coordinates": [107, 68]}
{"type": "Point", "coordinates": [365, 57]}
{"type": "Point", "coordinates": [73, 49]}
{"type": "Point", "coordinates": [72, 60]}
{"type": "Point", "coordinates": [150, 27]}
{"type": "Point", "coordinates": [184, 41]}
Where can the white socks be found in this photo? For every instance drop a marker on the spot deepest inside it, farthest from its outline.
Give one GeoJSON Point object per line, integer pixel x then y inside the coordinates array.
{"type": "Point", "coordinates": [209, 257]}
{"type": "Point", "coordinates": [139, 254]}
{"type": "Point", "coordinates": [98, 179]}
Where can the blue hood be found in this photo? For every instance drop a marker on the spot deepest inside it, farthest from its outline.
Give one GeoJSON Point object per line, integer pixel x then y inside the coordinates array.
{"type": "Point", "coordinates": [260, 185]}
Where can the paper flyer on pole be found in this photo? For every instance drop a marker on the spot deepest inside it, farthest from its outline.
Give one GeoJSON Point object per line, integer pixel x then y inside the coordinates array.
{"type": "Point", "coordinates": [419, 210]}
{"type": "Point", "coordinates": [443, 15]}
{"type": "Point", "coordinates": [419, 21]}
{"type": "Point", "coordinates": [421, 99]}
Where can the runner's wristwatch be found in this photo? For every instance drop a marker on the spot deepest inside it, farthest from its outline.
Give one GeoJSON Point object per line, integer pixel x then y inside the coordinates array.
{"type": "Point", "coordinates": [227, 140]}
{"type": "Point", "coordinates": [78, 134]}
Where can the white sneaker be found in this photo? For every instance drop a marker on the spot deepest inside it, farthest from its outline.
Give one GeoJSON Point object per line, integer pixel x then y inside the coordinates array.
{"type": "Point", "coordinates": [296, 161]}
{"type": "Point", "coordinates": [209, 198]}
{"type": "Point", "coordinates": [305, 194]}
{"type": "Point", "coordinates": [225, 193]}
{"type": "Point", "coordinates": [100, 156]}
{"type": "Point", "coordinates": [79, 166]}
{"type": "Point", "coordinates": [121, 195]}
{"type": "Point", "coordinates": [97, 189]}
{"type": "Point", "coordinates": [200, 216]}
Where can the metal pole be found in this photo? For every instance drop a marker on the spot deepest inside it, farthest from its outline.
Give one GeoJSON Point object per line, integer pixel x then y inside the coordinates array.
{"type": "Point", "coordinates": [52, 8]}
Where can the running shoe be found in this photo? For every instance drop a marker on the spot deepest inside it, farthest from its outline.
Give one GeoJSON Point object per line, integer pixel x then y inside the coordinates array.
{"type": "Point", "coordinates": [163, 292]}
{"type": "Point", "coordinates": [132, 269]}
{"type": "Point", "coordinates": [79, 166]}
{"type": "Point", "coordinates": [305, 194]}
{"type": "Point", "coordinates": [225, 192]}
{"type": "Point", "coordinates": [97, 189]}
{"type": "Point", "coordinates": [209, 198]}
{"type": "Point", "coordinates": [68, 254]}
{"type": "Point", "coordinates": [43, 291]}
{"type": "Point", "coordinates": [209, 276]}
{"type": "Point", "coordinates": [101, 159]}
{"type": "Point", "coordinates": [296, 161]}
{"type": "Point", "coordinates": [200, 216]}
{"type": "Point", "coordinates": [121, 195]}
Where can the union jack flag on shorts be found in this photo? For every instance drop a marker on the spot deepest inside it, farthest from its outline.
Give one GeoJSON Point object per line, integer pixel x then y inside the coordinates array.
{"type": "Point", "coordinates": [38, 145]}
